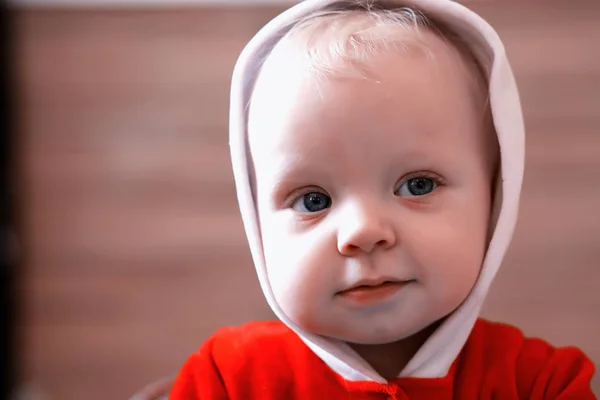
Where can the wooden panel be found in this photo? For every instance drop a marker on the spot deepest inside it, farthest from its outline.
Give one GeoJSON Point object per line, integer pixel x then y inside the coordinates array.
{"type": "Point", "coordinates": [135, 248]}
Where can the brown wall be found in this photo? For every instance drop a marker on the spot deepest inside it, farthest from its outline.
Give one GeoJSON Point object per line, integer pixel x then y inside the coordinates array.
{"type": "Point", "coordinates": [135, 251]}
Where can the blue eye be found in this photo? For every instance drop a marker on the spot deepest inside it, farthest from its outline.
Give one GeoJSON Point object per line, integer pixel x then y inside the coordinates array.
{"type": "Point", "coordinates": [419, 186]}
{"type": "Point", "coordinates": [312, 202]}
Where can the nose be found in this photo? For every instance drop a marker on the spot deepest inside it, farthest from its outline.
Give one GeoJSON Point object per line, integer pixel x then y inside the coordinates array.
{"type": "Point", "coordinates": [364, 228]}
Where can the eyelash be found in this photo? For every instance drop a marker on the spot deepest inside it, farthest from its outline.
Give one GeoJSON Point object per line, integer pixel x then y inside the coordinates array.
{"type": "Point", "coordinates": [295, 195]}
{"type": "Point", "coordinates": [439, 181]}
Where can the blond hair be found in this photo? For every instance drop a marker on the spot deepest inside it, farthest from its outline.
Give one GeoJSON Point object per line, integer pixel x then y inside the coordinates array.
{"type": "Point", "coordinates": [349, 33]}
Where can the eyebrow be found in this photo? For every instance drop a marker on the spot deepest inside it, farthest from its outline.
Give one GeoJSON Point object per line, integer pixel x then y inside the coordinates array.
{"type": "Point", "coordinates": [295, 173]}
{"type": "Point", "coordinates": [291, 176]}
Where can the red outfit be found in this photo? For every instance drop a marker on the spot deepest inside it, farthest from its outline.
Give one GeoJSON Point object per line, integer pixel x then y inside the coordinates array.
{"type": "Point", "coordinates": [266, 360]}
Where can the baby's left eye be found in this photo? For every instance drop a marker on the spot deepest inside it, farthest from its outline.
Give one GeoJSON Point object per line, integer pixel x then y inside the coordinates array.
{"type": "Point", "coordinates": [418, 186]}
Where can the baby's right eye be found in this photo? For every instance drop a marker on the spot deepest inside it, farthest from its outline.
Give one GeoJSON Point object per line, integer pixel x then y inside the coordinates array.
{"type": "Point", "coordinates": [312, 202]}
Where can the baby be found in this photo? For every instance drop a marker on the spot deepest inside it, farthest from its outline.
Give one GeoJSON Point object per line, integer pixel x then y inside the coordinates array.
{"type": "Point", "coordinates": [378, 156]}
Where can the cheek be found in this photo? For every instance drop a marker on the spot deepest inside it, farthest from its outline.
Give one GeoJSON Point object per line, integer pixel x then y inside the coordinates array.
{"type": "Point", "coordinates": [301, 270]}
{"type": "Point", "coordinates": [450, 248]}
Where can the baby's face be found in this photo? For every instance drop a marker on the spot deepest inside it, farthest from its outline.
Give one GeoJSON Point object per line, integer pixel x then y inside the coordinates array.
{"type": "Point", "coordinates": [373, 198]}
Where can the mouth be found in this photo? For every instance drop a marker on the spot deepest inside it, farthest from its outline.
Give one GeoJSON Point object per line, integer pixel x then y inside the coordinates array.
{"type": "Point", "coordinates": [373, 291]}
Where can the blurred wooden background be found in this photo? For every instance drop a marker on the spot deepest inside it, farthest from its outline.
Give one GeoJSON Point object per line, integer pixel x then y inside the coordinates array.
{"type": "Point", "coordinates": [135, 251]}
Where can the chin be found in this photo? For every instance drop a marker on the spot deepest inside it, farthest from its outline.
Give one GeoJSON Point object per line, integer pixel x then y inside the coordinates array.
{"type": "Point", "coordinates": [376, 335]}
{"type": "Point", "coordinates": [393, 334]}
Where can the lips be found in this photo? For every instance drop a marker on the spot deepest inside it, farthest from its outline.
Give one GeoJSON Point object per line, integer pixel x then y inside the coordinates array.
{"type": "Point", "coordinates": [373, 291]}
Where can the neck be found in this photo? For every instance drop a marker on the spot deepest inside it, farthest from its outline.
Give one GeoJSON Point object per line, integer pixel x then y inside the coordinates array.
{"type": "Point", "coordinates": [389, 359]}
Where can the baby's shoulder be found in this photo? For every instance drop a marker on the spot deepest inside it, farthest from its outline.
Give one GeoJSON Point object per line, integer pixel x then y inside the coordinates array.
{"type": "Point", "coordinates": [502, 353]}
{"type": "Point", "coordinates": [508, 342]}
{"type": "Point", "coordinates": [257, 360]}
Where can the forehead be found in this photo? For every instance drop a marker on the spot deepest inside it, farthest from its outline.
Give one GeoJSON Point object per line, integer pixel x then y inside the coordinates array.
{"type": "Point", "coordinates": [411, 97]}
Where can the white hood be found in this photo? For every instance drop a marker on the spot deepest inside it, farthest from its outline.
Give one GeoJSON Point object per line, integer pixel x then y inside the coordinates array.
{"type": "Point", "coordinates": [438, 353]}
